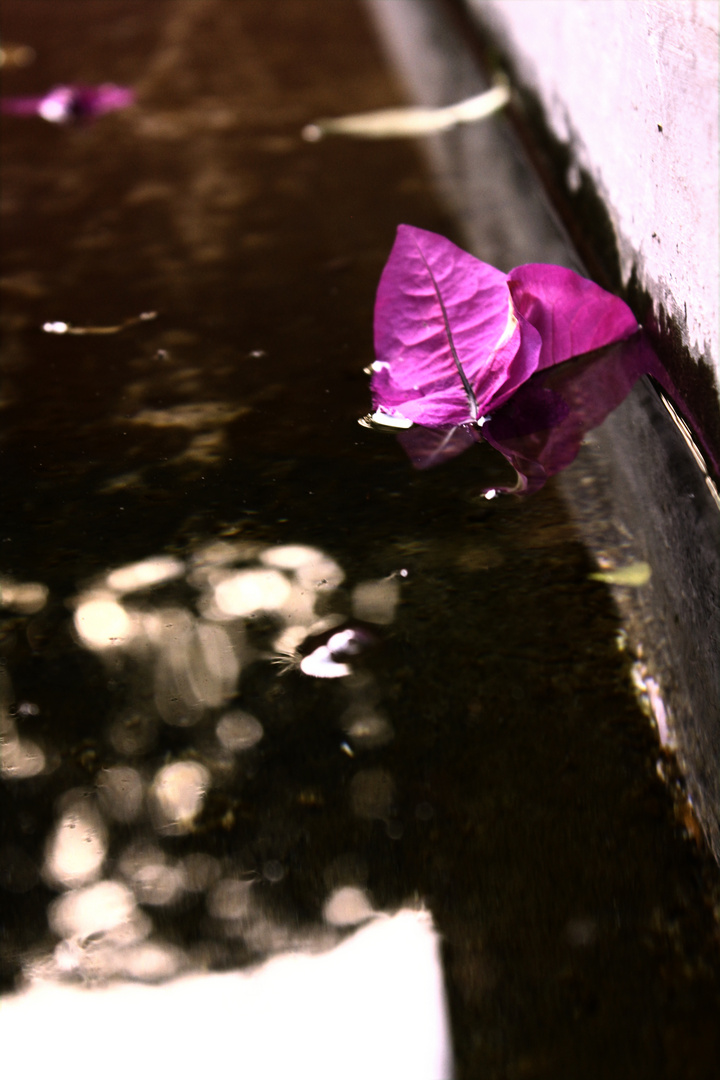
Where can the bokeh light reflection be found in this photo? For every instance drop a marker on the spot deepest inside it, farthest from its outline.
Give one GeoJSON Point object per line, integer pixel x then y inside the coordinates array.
{"type": "Point", "coordinates": [177, 794]}
{"type": "Point", "coordinates": [77, 847]}
{"type": "Point", "coordinates": [239, 730]}
{"type": "Point", "coordinates": [120, 792]}
{"type": "Point", "coordinates": [103, 623]}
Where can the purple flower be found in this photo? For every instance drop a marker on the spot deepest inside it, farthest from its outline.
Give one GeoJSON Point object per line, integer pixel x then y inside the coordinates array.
{"type": "Point", "coordinates": [540, 429]}
{"type": "Point", "coordinates": [455, 338]}
{"type": "Point", "coordinates": [71, 104]}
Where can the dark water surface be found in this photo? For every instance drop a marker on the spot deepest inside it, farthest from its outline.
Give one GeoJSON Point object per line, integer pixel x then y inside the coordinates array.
{"type": "Point", "coordinates": [487, 756]}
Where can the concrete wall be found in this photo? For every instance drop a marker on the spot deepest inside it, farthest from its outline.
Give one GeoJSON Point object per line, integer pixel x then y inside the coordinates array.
{"type": "Point", "coordinates": [632, 86]}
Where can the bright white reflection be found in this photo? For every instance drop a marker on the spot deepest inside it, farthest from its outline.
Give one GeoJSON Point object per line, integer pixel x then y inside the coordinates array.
{"type": "Point", "coordinates": [20, 758]}
{"type": "Point", "coordinates": [348, 906]}
{"type": "Point", "coordinates": [320, 664]}
{"type": "Point", "coordinates": [373, 1007]}
{"type": "Point", "coordinates": [26, 597]}
{"type": "Point", "coordinates": [141, 575]}
{"type": "Point", "coordinates": [93, 910]}
{"type": "Point", "coordinates": [250, 591]}
{"type": "Point", "coordinates": [77, 848]}
{"type": "Point", "coordinates": [178, 792]}
{"type": "Point", "coordinates": [103, 623]}
{"type": "Point", "coordinates": [239, 731]}
{"type": "Point", "coordinates": [291, 556]}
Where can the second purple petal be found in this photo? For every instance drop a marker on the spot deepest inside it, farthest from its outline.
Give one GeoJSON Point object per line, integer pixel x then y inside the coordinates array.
{"type": "Point", "coordinates": [572, 315]}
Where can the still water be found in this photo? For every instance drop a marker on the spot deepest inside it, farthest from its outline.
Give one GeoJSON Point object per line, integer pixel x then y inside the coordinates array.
{"type": "Point", "coordinates": [260, 680]}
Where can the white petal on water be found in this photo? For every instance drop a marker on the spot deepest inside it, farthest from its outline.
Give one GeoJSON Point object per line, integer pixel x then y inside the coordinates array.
{"type": "Point", "coordinates": [410, 122]}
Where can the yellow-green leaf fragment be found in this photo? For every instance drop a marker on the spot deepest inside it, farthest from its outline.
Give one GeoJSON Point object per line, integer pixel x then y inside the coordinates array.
{"type": "Point", "coordinates": [635, 573]}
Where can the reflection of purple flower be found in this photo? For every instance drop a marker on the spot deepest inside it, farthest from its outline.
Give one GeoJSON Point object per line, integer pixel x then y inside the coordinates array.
{"type": "Point", "coordinates": [540, 429]}
{"type": "Point", "coordinates": [71, 104]}
{"type": "Point", "coordinates": [455, 338]}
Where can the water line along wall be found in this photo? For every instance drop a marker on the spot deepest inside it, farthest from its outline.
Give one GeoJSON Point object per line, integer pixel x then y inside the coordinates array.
{"type": "Point", "coordinates": [646, 484]}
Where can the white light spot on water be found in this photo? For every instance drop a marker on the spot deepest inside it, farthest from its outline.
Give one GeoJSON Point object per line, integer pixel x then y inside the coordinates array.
{"type": "Point", "coordinates": [239, 731]}
{"type": "Point", "coordinates": [77, 848]}
{"type": "Point", "coordinates": [375, 601]}
{"type": "Point", "coordinates": [158, 884]}
{"type": "Point", "coordinates": [153, 879]}
{"type": "Point", "coordinates": [93, 910]}
{"type": "Point", "coordinates": [320, 574]}
{"type": "Point", "coordinates": [103, 623]}
{"type": "Point", "coordinates": [26, 597]}
{"type": "Point", "coordinates": [56, 327]}
{"type": "Point", "coordinates": [347, 906]}
{"type": "Point", "coordinates": [491, 493]}
{"type": "Point", "coordinates": [291, 556]}
{"type": "Point", "coordinates": [321, 665]}
{"type": "Point", "coordinates": [140, 575]}
{"type": "Point", "coordinates": [20, 758]}
{"type": "Point", "coordinates": [178, 792]}
{"type": "Point", "coordinates": [366, 729]}
{"type": "Point", "coordinates": [251, 591]}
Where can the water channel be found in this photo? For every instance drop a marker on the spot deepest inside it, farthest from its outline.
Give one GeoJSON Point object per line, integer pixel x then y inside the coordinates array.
{"type": "Point", "coordinates": [190, 509]}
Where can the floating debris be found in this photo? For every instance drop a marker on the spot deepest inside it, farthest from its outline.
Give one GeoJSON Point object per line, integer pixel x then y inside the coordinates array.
{"type": "Point", "coordinates": [68, 328]}
{"type": "Point", "coordinates": [410, 122]}
{"type": "Point", "coordinates": [17, 56]}
{"type": "Point", "coordinates": [70, 104]}
{"type": "Point", "coordinates": [635, 574]}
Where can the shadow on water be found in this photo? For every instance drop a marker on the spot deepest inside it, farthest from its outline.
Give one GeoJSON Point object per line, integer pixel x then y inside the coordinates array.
{"type": "Point", "coordinates": [485, 755]}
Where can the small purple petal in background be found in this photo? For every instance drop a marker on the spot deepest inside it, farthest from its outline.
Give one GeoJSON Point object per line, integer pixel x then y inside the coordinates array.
{"type": "Point", "coordinates": [572, 315]}
{"type": "Point", "coordinates": [71, 104]}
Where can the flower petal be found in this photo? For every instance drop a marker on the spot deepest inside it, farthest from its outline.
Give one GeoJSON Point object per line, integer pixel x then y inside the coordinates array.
{"type": "Point", "coordinates": [573, 315]}
{"type": "Point", "coordinates": [446, 334]}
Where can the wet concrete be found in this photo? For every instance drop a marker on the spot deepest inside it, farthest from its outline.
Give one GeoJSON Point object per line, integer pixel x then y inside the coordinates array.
{"type": "Point", "coordinates": [519, 797]}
